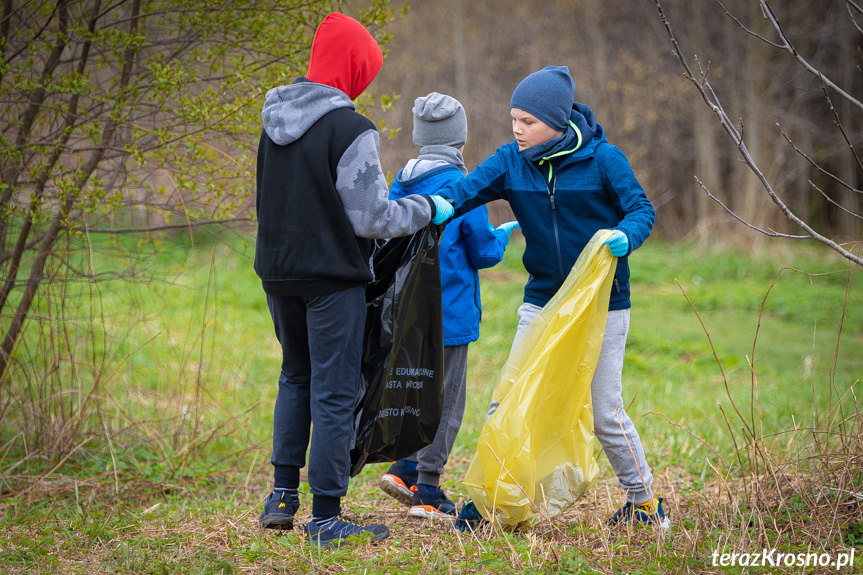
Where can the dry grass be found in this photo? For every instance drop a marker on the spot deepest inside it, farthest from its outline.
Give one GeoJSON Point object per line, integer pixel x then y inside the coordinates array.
{"type": "Point", "coordinates": [167, 529]}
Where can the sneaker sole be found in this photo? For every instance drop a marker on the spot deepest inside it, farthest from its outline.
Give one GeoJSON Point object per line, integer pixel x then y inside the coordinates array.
{"type": "Point", "coordinates": [313, 540]}
{"type": "Point", "coordinates": [393, 486]}
{"type": "Point", "coordinates": [429, 512]}
{"type": "Point", "coordinates": [277, 523]}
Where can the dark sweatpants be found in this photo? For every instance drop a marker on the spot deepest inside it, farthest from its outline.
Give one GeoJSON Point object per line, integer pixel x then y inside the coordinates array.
{"type": "Point", "coordinates": [322, 340]}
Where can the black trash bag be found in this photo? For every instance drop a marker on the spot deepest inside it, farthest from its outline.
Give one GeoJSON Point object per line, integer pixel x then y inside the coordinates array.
{"type": "Point", "coordinates": [400, 408]}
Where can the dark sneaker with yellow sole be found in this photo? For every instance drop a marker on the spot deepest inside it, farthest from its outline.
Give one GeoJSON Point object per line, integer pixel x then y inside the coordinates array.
{"type": "Point", "coordinates": [279, 510]}
{"type": "Point", "coordinates": [647, 513]}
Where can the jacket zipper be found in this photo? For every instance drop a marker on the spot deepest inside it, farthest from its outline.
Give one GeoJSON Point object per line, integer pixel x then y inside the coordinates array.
{"type": "Point", "coordinates": [551, 192]}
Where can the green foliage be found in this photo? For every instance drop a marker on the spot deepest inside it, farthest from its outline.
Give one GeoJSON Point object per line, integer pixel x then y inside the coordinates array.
{"type": "Point", "coordinates": [852, 535]}
{"type": "Point", "coordinates": [149, 121]}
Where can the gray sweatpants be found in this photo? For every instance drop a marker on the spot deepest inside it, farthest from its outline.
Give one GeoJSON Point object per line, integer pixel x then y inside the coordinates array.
{"type": "Point", "coordinates": [432, 458]}
{"type": "Point", "coordinates": [613, 428]}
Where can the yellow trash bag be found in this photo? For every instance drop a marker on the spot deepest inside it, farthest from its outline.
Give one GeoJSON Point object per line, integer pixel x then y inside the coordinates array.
{"type": "Point", "coordinates": [535, 453]}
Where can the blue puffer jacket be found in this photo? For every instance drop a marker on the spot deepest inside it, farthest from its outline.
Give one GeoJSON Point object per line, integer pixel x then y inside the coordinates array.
{"type": "Point", "coordinates": [560, 207]}
{"type": "Point", "coordinates": [468, 243]}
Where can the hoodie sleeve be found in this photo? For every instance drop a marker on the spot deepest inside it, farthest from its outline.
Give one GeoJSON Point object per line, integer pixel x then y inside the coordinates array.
{"type": "Point", "coordinates": [637, 222]}
{"type": "Point", "coordinates": [363, 190]}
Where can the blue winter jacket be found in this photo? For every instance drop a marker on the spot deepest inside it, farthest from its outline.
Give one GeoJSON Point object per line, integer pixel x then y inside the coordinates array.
{"type": "Point", "coordinates": [468, 243]}
{"type": "Point", "coordinates": [560, 205]}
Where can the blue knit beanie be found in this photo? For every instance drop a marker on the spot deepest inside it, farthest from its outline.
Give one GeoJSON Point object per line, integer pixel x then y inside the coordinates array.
{"type": "Point", "coordinates": [547, 94]}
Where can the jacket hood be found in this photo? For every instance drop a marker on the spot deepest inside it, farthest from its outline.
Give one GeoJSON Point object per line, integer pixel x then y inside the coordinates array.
{"type": "Point", "coordinates": [428, 177]}
{"type": "Point", "coordinates": [582, 117]}
{"type": "Point", "coordinates": [289, 111]}
{"type": "Point", "coordinates": [344, 55]}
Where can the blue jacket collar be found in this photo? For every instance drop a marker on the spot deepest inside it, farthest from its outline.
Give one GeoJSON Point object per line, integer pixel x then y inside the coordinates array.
{"type": "Point", "coordinates": [427, 182]}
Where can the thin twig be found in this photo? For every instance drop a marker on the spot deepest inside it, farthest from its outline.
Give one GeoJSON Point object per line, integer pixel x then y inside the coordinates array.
{"type": "Point", "coordinates": [770, 233]}
{"type": "Point", "coordinates": [839, 122]}
{"type": "Point", "coordinates": [815, 164]}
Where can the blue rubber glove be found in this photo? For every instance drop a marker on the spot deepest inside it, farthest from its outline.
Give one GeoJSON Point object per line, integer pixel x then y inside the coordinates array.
{"type": "Point", "coordinates": [508, 228]}
{"type": "Point", "coordinates": [443, 210]}
{"type": "Point", "coordinates": [618, 243]}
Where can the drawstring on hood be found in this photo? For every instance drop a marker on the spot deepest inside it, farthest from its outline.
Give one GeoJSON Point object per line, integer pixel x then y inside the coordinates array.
{"type": "Point", "coordinates": [344, 55]}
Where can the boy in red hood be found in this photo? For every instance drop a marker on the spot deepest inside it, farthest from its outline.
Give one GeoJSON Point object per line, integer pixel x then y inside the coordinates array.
{"type": "Point", "coordinates": [321, 201]}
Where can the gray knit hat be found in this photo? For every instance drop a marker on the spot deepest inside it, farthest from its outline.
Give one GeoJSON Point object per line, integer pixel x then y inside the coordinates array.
{"type": "Point", "coordinates": [439, 120]}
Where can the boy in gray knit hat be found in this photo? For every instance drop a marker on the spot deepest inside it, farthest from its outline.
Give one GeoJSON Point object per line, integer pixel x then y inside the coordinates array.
{"type": "Point", "coordinates": [467, 244]}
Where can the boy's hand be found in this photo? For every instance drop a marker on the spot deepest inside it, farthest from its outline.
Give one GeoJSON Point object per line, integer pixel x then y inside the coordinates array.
{"type": "Point", "coordinates": [618, 243]}
{"type": "Point", "coordinates": [508, 228]}
{"type": "Point", "coordinates": [443, 210]}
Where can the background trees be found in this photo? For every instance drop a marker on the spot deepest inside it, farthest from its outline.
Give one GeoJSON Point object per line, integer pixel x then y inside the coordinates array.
{"type": "Point", "coordinates": [122, 120]}
{"type": "Point", "coordinates": [624, 67]}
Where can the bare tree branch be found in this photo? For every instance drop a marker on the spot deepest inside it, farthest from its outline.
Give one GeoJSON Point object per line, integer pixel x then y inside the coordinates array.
{"type": "Point", "coordinates": [835, 203]}
{"type": "Point", "coordinates": [709, 97]}
{"type": "Point", "coordinates": [817, 166]}
{"type": "Point", "coordinates": [851, 15]}
{"type": "Point", "coordinates": [767, 232]}
{"type": "Point", "coordinates": [787, 46]}
{"type": "Point", "coordinates": [839, 123]}
{"type": "Point", "coordinates": [746, 29]}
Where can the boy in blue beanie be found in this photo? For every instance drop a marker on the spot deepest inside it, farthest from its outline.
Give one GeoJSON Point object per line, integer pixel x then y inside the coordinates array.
{"type": "Point", "coordinates": [565, 182]}
{"type": "Point", "coordinates": [467, 244]}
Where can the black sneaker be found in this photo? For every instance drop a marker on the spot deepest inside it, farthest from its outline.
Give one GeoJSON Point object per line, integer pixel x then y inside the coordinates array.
{"type": "Point", "coordinates": [469, 518]}
{"type": "Point", "coordinates": [279, 510]}
{"type": "Point", "coordinates": [339, 531]}
{"type": "Point", "coordinates": [431, 503]}
{"type": "Point", "coordinates": [400, 481]}
{"type": "Point", "coordinates": [647, 513]}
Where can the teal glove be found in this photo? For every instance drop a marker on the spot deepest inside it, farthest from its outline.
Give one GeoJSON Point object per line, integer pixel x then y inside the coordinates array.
{"type": "Point", "coordinates": [618, 243]}
{"type": "Point", "coordinates": [507, 228]}
{"type": "Point", "coordinates": [443, 210]}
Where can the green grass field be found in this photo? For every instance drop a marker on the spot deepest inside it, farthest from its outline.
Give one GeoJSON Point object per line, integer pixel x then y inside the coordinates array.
{"type": "Point", "coordinates": [169, 459]}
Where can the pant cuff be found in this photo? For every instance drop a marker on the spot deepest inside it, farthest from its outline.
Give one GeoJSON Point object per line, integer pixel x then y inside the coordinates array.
{"type": "Point", "coordinates": [425, 478]}
{"type": "Point", "coordinates": [640, 496]}
{"type": "Point", "coordinates": [286, 476]}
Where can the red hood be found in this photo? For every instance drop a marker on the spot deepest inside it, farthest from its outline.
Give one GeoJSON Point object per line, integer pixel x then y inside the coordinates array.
{"type": "Point", "coordinates": [344, 55]}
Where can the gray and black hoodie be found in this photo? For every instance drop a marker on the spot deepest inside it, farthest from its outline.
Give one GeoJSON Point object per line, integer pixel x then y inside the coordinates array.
{"type": "Point", "coordinates": [321, 194]}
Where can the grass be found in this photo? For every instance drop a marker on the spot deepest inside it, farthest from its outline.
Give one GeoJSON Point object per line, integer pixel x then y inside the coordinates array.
{"type": "Point", "coordinates": [167, 473]}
